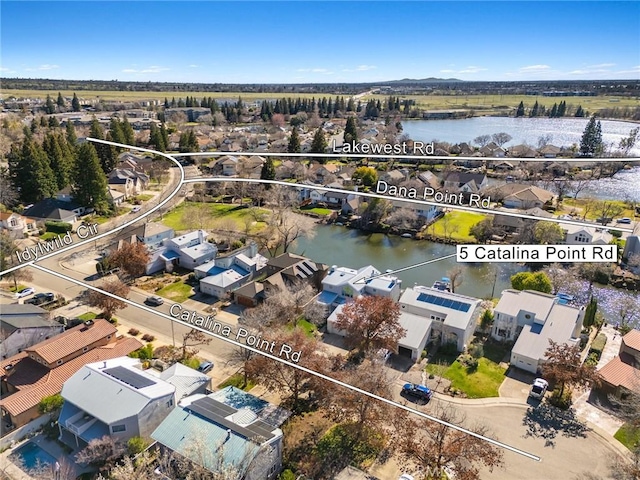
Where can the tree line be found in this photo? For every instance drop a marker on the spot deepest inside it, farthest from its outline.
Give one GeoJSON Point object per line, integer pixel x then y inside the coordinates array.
{"type": "Point", "coordinates": [556, 111]}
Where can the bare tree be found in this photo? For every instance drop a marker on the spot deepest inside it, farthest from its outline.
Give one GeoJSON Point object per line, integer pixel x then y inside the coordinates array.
{"type": "Point", "coordinates": [501, 138]}
{"type": "Point", "coordinates": [290, 301]}
{"type": "Point", "coordinates": [578, 183]}
{"type": "Point", "coordinates": [482, 140]}
{"type": "Point", "coordinates": [403, 218]}
{"type": "Point", "coordinates": [193, 338]}
{"type": "Point", "coordinates": [102, 453]}
{"type": "Point", "coordinates": [456, 277]}
{"type": "Point", "coordinates": [108, 304]}
{"type": "Point", "coordinates": [196, 216]}
{"type": "Point", "coordinates": [131, 258]}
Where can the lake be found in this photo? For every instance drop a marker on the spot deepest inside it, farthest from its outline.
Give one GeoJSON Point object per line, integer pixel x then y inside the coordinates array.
{"type": "Point", "coordinates": [561, 131]}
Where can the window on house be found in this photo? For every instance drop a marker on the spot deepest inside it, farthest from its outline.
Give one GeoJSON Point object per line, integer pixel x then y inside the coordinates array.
{"type": "Point", "coordinates": [118, 428]}
{"type": "Point", "coordinates": [170, 403]}
{"type": "Point", "coordinates": [502, 332]}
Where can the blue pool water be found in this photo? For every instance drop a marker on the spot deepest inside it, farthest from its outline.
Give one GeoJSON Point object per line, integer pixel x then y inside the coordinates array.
{"type": "Point", "coordinates": [33, 456]}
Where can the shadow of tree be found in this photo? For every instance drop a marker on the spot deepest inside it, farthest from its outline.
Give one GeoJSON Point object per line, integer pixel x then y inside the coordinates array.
{"type": "Point", "coordinates": [547, 421]}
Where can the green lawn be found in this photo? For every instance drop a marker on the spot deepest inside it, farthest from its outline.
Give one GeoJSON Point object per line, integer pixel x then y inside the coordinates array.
{"type": "Point", "coordinates": [87, 316]}
{"type": "Point", "coordinates": [45, 237]}
{"type": "Point", "coordinates": [237, 380]}
{"type": "Point", "coordinates": [456, 225]}
{"type": "Point", "coordinates": [19, 288]}
{"type": "Point", "coordinates": [319, 210]}
{"type": "Point", "coordinates": [178, 292]}
{"type": "Point", "coordinates": [143, 197]}
{"type": "Point", "coordinates": [216, 211]}
{"type": "Point", "coordinates": [481, 383]}
{"type": "Point", "coordinates": [308, 327]}
{"type": "Point", "coordinates": [570, 205]}
{"type": "Point", "coordinates": [628, 436]}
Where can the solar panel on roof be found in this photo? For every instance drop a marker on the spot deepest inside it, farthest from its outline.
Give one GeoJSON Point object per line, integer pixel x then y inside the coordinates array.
{"type": "Point", "coordinates": [130, 378]}
{"type": "Point", "coordinates": [444, 302]}
{"type": "Point", "coordinates": [447, 303]}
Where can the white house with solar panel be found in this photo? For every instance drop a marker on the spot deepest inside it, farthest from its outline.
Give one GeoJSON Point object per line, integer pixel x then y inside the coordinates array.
{"type": "Point", "coordinates": [230, 428]}
{"type": "Point", "coordinates": [119, 399]}
{"type": "Point", "coordinates": [431, 314]}
{"type": "Point", "coordinates": [342, 284]}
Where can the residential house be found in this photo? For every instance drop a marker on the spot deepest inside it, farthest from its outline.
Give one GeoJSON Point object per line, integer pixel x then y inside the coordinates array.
{"type": "Point", "coordinates": [511, 224]}
{"type": "Point", "coordinates": [394, 177]}
{"type": "Point", "coordinates": [127, 181]}
{"type": "Point", "coordinates": [66, 194]}
{"type": "Point", "coordinates": [342, 283]}
{"type": "Point", "coordinates": [452, 317]}
{"type": "Point", "coordinates": [17, 226]}
{"type": "Point", "coordinates": [325, 173]}
{"type": "Point", "coordinates": [531, 319]}
{"type": "Point", "coordinates": [522, 151]}
{"type": "Point", "coordinates": [230, 428]}
{"type": "Point", "coordinates": [621, 375]}
{"type": "Point", "coordinates": [294, 268]}
{"type": "Point", "coordinates": [549, 151]}
{"type": "Point", "coordinates": [154, 236]}
{"type": "Point", "coordinates": [429, 212]}
{"type": "Point", "coordinates": [228, 272]}
{"type": "Point", "coordinates": [188, 251]}
{"type": "Point", "coordinates": [115, 398]}
{"type": "Point", "coordinates": [352, 205]}
{"type": "Point", "coordinates": [518, 195]}
{"type": "Point", "coordinates": [51, 209]}
{"type": "Point", "coordinates": [22, 326]}
{"type": "Point", "coordinates": [249, 295]}
{"type": "Point", "coordinates": [465, 182]}
{"type": "Point", "coordinates": [580, 235]}
{"type": "Point", "coordinates": [492, 149]}
{"type": "Point", "coordinates": [631, 249]}
{"type": "Point", "coordinates": [503, 166]}
{"type": "Point", "coordinates": [129, 161]}
{"type": "Point", "coordinates": [430, 180]}
{"type": "Point", "coordinates": [40, 370]}
{"type": "Point", "coordinates": [115, 197]}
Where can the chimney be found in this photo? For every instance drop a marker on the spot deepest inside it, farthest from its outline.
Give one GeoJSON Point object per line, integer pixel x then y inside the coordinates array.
{"type": "Point", "coordinates": [201, 236]}
{"type": "Point", "coordinates": [104, 364]}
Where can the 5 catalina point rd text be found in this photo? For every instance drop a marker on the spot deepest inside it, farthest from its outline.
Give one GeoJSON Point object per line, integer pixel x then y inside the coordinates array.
{"type": "Point", "coordinates": [42, 248]}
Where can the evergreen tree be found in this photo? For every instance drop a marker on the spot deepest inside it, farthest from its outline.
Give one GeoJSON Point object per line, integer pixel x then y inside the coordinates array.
{"type": "Point", "coordinates": [319, 143]}
{"type": "Point", "coordinates": [535, 110]}
{"type": "Point", "coordinates": [60, 101]}
{"type": "Point", "coordinates": [29, 168]}
{"type": "Point", "coordinates": [89, 181]}
{"type": "Point", "coordinates": [591, 143]}
{"type": "Point", "coordinates": [43, 122]}
{"type": "Point", "coordinates": [106, 153]}
{"type": "Point", "coordinates": [166, 102]}
{"type": "Point", "coordinates": [129, 136]}
{"type": "Point", "coordinates": [155, 138]}
{"type": "Point", "coordinates": [71, 133]}
{"type": "Point", "coordinates": [49, 106]}
{"type": "Point", "coordinates": [53, 122]}
{"type": "Point", "coordinates": [562, 108]}
{"type": "Point", "coordinates": [294, 142]}
{"type": "Point", "coordinates": [579, 111]}
{"type": "Point", "coordinates": [60, 164]}
{"type": "Point", "coordinates": [520, 110]}
{"type": "Point", "coordinates": [165, 136]}
{"type": "Point", "coordinates": [590, 313]}
{"type": "Point", "coordinates": [351, 130]}
{"type": "Point", "coordinates": [268, 171]}
{"type": "Point", "coordinates": [75, 103]}
{"type": "Point", "coordinates": [115, 129]}
{"type": "Point", "coordinates": [554, 111]}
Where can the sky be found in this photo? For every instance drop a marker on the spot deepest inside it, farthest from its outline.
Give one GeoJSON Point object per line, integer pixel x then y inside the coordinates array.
{"type": "Point", "coordinates": [328, 42]}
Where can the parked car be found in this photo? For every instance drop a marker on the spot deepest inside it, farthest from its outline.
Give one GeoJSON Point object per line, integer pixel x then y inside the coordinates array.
{"type": "Point", "coordinates": [205, 367]}
{"type": "Point", "coordinates": [136, 209]}
{"type": "Point", "coordinates": [154, 300]}
{"type": "Point", "coordinates": [626, 220]}
{"type": "Point", "coordinates": [40, 298]}
{"type": "Point", "coordinates": [25, 292]}
{"type": "Point", "coordinates": [406, 476]}
{"type": "Point", "coordinates": [539, 388]}
{"type": "Point", "coordinates": [419, 391]}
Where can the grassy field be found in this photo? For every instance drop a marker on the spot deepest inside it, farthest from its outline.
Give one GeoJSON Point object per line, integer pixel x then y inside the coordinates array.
{"type": "Point", "coordinates": [308, 327]}
{"type": "Point", "coordinates": [178, 292]}
{"type": "Point", "coordinates": [570, 205]}
{"type": "Point", "coordinates": [501, 102]}
{"type": "Point", "coordinates": [455, 225]}
{"type": "Point", "coordinates": [87, 316]}
{"type": "Point", "coordinates": [116, 95]}
{"type": "Point", "coordinates": [214, 211]}
{"type": "Point", "coordinates": [628, 436]}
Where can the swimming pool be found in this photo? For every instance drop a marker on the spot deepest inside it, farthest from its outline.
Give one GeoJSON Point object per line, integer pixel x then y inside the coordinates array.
{"type": "Point", "coordinates": [31, 456]}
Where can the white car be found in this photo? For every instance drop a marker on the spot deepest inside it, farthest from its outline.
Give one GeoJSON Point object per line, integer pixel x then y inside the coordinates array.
{"type": "Point", "coordinates": [136, 209]}
{"type": "Point", "coordinates": [406, 476]}
{"type": "Point", "coordinates": [25, 292]}
{"type": "Point", "coordinates": [539, 388]}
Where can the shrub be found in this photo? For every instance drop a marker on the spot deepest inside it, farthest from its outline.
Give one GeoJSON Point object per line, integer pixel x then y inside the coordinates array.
{"type": "Point", "coordinates": [468, 361]}
{"type": "Point", "coordinates": [423, 355]}
{"type": "Point", "coordinates": [592, 360]}
{"type": "Point", "coordinates": [598, 345]}
{"type": "Point", "coordinates": [148, 338]}
{"type": "Point", "coordinates": [236, 244]}
{"type": "Point", "coordinates": [57, 227]}
{"type": "Point", "coordinates": [616, 233]}
{"type": "Point", "coordinates": [449, 348]}
{"type": "Point", "coordinates": [136, 445]}
{"type": "Point", "coordinates": [287, 475]}
{"type": "Point", "coordinates": [561, 401]}
{"type": "Point", "coordinates": [134, 332]}
{"type": "Point", "coordinates": [476, 350]}
{"type": "Point", "coordinates": [51, 403]}
{"type": "Point", "coordinates": [143, 353]}
{"type": "Point", "coordinates": [487, 320]}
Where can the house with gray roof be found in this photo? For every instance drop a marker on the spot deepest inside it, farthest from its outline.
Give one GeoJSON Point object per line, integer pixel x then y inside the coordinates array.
{"type": "Point", "coordinates": [532, 319]}
{"type": "Point", "coordinates": [54, 210]}
{"type": "Point", "coordinates": [22, 326]}
{"type": "Point", "coordinates": [342, 284]}
{"type": "Point", "coordinates": [453, 317]}
{"type": "Point", "coordinates": [116, 398]}
{"type": "Point", "coordinates": [229, 428]}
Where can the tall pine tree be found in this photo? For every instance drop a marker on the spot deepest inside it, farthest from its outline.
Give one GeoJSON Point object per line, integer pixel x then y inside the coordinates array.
{"type": "Point", "coordinates": [127, 132]}
{"type": "Point", "coordinates": [294, 142]}
{"type": "Point", "coordinates": [351, 130]}
{"type": "Point", "coordinates": [268, 171]}
{"type": "Point", "coordinates": [29, 169]}
{"type": "Point", "coordinates": [60, 102]}
{"type": "Point", "coordinates": [591, 143]}
{"type": "Point", "coordinates": [89, 181]}
{"type": "Point", "coordinates": [520, 110]}
{"type": "Point", "coordinates": [75, 103]}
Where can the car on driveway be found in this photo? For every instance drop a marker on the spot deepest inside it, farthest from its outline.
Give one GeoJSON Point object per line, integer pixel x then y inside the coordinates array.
{"type": "Point", "coordinates": [625, 220]}
{"type": "Point", "coordinates": [25, 292]}
{"type": "Point", "coordinates": [539, 388]}
{"type": "Point", "coordinates": [136, 209]}
{"type": "Point", "coordinates": [40, 298]}
{"type": "Point", "coordinates": [205, 367]}
{"type": "Point", "coordinates": [154, 300]}
{"type": "Point", "coordinates": [418, 391]}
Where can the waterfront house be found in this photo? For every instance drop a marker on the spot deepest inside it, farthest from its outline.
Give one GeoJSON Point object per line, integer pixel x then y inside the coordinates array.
{"type": "Point", "coordinates": [580, 235]}
{"type": "Point", "coordinates": [621, 375]}
{"type": "Point", "coordinates": [342, 284]}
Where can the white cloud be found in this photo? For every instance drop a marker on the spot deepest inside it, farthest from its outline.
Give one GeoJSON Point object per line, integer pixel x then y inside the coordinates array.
{"type": "Point", "coordinates": [465, 71]}
{"type": "Point", "coordinates": [323, 71]}
{"type": "Point", "coordinates": [635, 69]}
{"type": "Point", "coordinates": [534, 68]}
{"type": "Point", "coordinates": [47, 66]}
{"type": "Point", "coordinates": [602, 65]}
{"type": "Point", "coordinates": [193, 65]}
{"type": "Point", "coordinates": [360, 68]}
{"type": "Point", "coordinates": [152, 69]}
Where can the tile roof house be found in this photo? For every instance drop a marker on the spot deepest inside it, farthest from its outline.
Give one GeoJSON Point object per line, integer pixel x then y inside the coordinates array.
{"type": "Point", "coordinates": [622, 374]}
{"type": "Point", "coordinates": [17, 226]}
{"type": "Point", "coordinates": [24, 325]}
{"type": "Point", "coordinates": [532, 319]}
{"type": "Point", "coordinates": [41, 370]}
{"type": "Point", "coordinates": [118, 398]}
{"type": "Point", "coordinates": [229, 427]}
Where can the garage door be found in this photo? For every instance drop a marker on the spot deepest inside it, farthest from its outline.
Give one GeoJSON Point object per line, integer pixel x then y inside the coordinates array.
{"type": "Point", "coordinates": [405, 352]}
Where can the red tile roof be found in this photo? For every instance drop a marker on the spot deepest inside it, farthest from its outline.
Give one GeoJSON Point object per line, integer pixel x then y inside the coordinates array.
{"type": "Point", "coordinates": [632, 339]}
{"type": "Point", "coordinates": [73, 340]}
{"type": "Point", "coordinates": [620, 372]}
{"type": "Point", "coordinates": [35, 381]}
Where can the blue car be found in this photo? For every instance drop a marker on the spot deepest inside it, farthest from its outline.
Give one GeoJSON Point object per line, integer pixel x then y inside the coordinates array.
{"type": "Point", "coordinates": [419, 391]}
